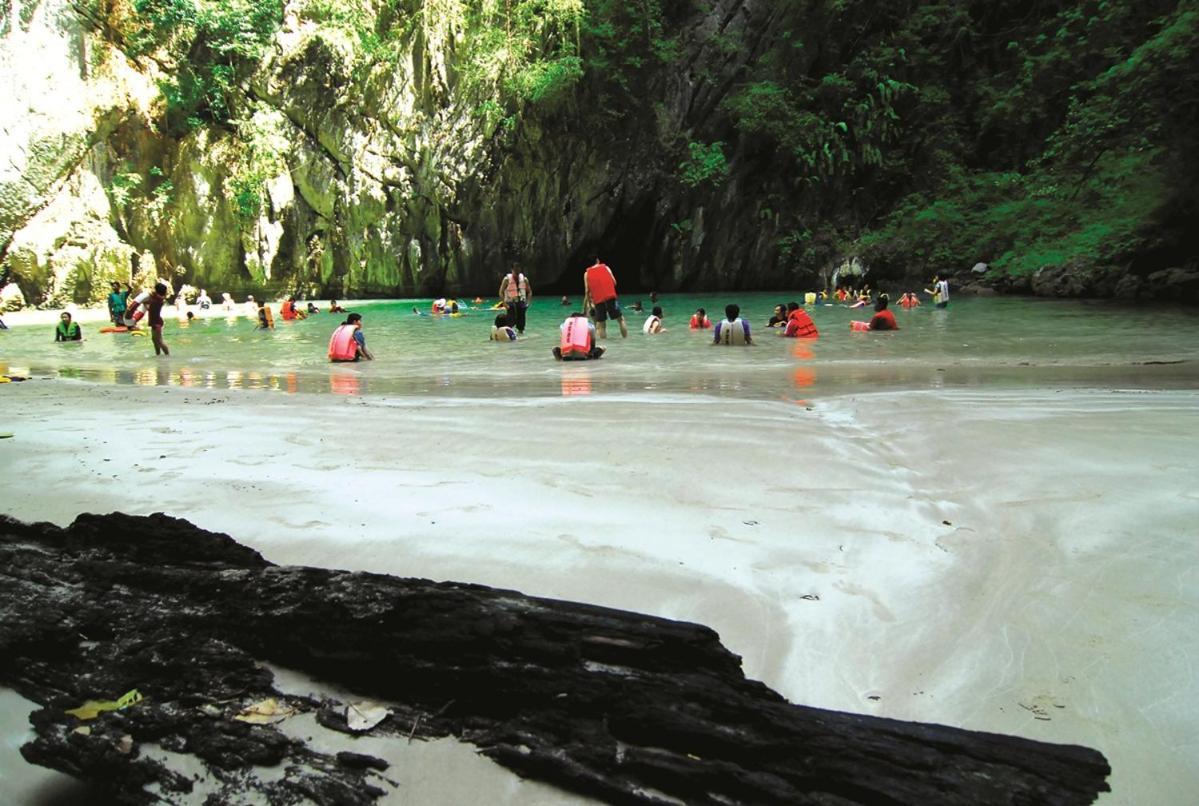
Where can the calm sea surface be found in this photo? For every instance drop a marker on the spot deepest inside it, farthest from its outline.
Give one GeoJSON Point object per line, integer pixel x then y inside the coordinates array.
{"type": "Point", "coordinates": [975, 342]}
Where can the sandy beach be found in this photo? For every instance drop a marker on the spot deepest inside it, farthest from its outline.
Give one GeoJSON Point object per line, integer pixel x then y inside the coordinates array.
{"type": "Point", "coordinates": [990, 560]}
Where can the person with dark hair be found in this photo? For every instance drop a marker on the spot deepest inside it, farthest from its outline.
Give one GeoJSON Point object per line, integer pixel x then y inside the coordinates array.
{"type": "Point", "coordinates": [516, 294]}
{"type": "Point", "coordinates": [653, 325]}
{"type": "Point", "coordinates": [335, 308]}
{"type": "Point", "coordinates": [67, 330]}
{"type": "Point", "coordinates": [116, 303]}
{"type": "Point", "coordinates": [779, 317]}
{"type": "Point", "coordinates": [577, 341]}
{"type": "Point", "coordinates": [347, 342]}
{"type": "Point", "coordinates": [883, 319]}
{"type": "Point", "coordinates": [732, 330]}
{"type": "Point", "coordinates": [700, 320]}
{"type": "Point", "coordinates": [599, 290]}
{"type": "Point", "coordinates": [799, 324]}
{"type": "Point", "coordinates": [154, 316]}
{"type": "Point", "coordinates": [266, 319]}
{"type": "Point", "coordinates": [501, 330]}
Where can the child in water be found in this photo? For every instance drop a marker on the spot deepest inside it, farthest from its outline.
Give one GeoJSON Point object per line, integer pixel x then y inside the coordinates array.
{"type": "Point", "coordinates": [700, 320]}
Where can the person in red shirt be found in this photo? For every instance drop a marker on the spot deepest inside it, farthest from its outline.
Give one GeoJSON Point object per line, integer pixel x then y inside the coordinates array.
{"type": "Point", "coordinates": [799, 324]}
{"type": "Point", "coordinates": [599, 290]}
{"type": "Point", "coordinates": [883, 319]}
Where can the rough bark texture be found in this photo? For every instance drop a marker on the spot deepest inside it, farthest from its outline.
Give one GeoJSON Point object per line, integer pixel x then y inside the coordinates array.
{"type": "Point", "coordinates": [619, 706]}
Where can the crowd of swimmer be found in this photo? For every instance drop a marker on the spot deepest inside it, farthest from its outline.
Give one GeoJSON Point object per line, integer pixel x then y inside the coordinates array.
{"type": "Point", "coordinates": [578, 333]}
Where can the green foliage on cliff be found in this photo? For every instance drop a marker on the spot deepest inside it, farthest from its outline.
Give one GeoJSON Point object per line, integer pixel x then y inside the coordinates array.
{"type": "Point", "coordinates": [211, 45]}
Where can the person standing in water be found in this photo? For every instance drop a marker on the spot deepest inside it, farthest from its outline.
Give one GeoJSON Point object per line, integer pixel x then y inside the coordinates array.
{"type": "Point", "coordinates": [516, 294]}
{"type": "Point", "coordinates": [599, 290]}
{"type": "Point", "coordinates": [67, 330]}
{"type": "Point", "coordinates": [939, 291]}
{"type": "Point", "coordinates": [116, 303]}
{"type": "Point", "coordinates": [154, 315]}
{"type": "Point", "coordinates": [266, 319]}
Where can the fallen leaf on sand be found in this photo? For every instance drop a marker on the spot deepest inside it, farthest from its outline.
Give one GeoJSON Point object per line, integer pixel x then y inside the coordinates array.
{"type": "Point", "coordinates": [365, 715]}
{"type": "Point", "coordinates": [266, 712]}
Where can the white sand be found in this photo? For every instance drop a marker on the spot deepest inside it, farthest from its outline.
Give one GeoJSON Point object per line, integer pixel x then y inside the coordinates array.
{"type": "Point", "coordinates": [1058, 604]}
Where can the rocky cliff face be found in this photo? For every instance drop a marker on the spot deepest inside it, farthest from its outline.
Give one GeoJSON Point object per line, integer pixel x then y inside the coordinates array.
{"type": "Point", "coordinates": [367, 179]}
{"type": "Point", "coordinates": [379, 149]}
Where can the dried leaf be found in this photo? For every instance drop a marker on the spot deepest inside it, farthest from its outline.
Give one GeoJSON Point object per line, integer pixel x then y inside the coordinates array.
{"type": "Point", "coordinates": [266, 712]}
{"type": "Point", "coordinates": [365, 715]}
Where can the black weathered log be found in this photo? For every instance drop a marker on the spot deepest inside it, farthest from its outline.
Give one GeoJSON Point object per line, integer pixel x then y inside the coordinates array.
{"type": "Point", "coordinates": [619, 706]}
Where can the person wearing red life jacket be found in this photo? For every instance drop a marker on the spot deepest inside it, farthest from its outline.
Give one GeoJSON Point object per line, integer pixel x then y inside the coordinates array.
{"type": "Point", "coordinates": [577, 340]}
{"type": "Point", "coordinates": [883, 319]}
{"type": "Point", "coordinates": [347, 342]}
{"type": "Point", "coordinates": [287, 311]}
{"type": "Point", "coordinates": [799, 324]}
{"type": "Point", "coordinates": [599, 291]}
{"type": "Point", "coordinates": [516, 294]}
{"type": "Point", "coordinates": [909, 300]}
{"type": "Point", "coordinates": [700, 320]}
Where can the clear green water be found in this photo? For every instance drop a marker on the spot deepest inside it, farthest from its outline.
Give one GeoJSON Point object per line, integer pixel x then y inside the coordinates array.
{"type": "Point", "coordinates": [994, 341]}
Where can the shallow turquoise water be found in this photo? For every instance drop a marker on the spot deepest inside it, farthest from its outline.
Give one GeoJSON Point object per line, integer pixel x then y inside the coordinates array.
{"type": "Point", "coordinates": [992, 341]}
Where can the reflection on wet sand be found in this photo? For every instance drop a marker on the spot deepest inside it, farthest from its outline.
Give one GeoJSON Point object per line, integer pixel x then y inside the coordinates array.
{"type": "Point", "coordinates": [576, 381]}
{"type": "Point", "coordinates": [344, 383]}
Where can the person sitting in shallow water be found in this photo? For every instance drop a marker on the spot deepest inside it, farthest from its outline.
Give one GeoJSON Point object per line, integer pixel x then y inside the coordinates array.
{"type": "Point", "coordinates": [67, 330]}
{"type": "Point", "coordinates": [577, 340]}
{"type": "Point", "coordinates": [732, 330]}
{"type": "Point", "coordinates": [501, 331]}
{"type": "Point", "coordinates": [883, 319]}
{"type": "Point", "coordinates": [700, 320]}
{"type": "Point", "coordinates": [653, 325]}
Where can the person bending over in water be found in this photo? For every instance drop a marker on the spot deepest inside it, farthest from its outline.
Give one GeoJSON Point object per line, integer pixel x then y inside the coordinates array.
{"type": "Point", "coordinates": [700, 320]}
{"type": "Point", "coordinates": [653, 325]}
{"type": "Point", "coordinates": [577, 342]}
{"type": "Point", "coordinates": [883, 319]}
{"type": "Point", "coordinates": [347, 342]}
{"type": "Point", "coordinates": [732, 330]}
{"type": "Point", "coordinates": [67, 330]}
{"type": "Point", "coordinates": [501, 331]}
{"type": "Point", "coordinates": [799, 324]}
{"type": "Point", "coordinates": [154, 316]}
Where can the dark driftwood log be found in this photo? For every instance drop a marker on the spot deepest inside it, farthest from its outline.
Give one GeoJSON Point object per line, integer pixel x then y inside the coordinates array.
{"type": "Point", "coordinates": [615, 705]}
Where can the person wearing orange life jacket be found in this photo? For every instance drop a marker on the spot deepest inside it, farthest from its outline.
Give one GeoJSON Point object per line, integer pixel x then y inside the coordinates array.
{"type": "Point", "coordinates": [577, 340]}
{"type": "Point", "coordinates": [288, 310]}
{"type": "Point", "coordinates": [516, 294]}
{"type": "Point", "coordinates": [909, 300]}
{"type": "Point", "coordinates": [700, 320]}
{"type": "Point", "coordinates": [599, 291]}
{"type": "Point", "coordinates": [347, 342]}
{"type": "Point", "coordinates": [883, 319]}
{"type": "Point", "coordinates": [799, 324]}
